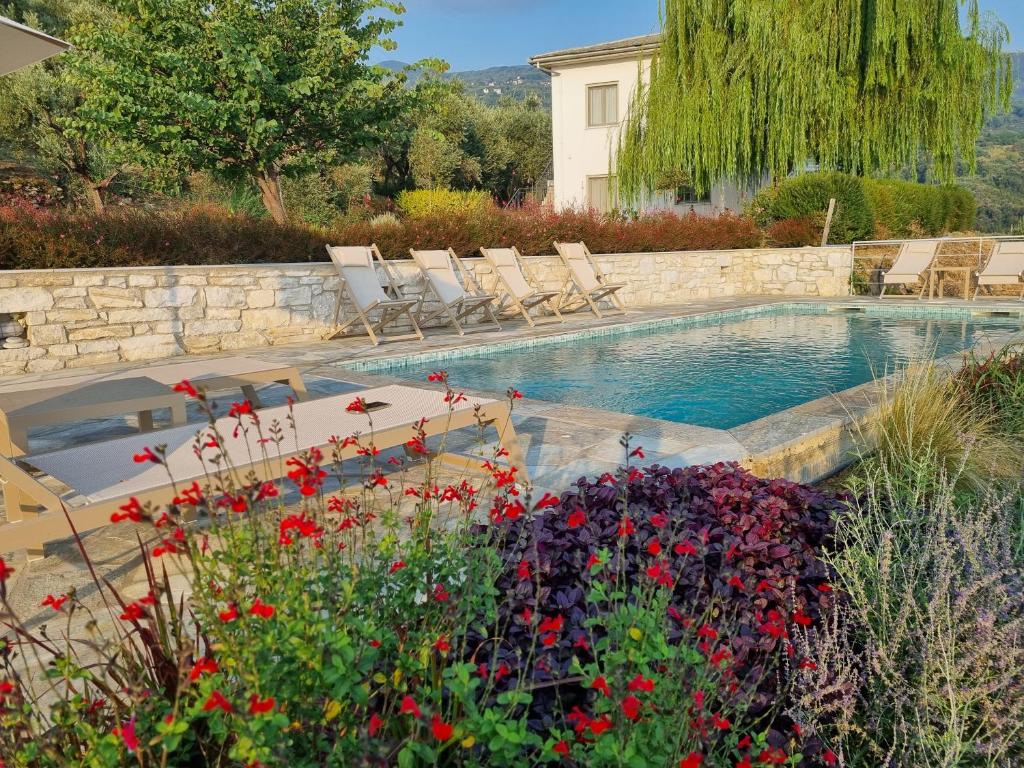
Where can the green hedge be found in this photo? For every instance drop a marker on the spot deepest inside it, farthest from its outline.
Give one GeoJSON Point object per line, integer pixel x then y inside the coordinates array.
{"type": "Point", "coordinates": [33, 238]}
{"type": "Point", "coordinates": [867, 208]}
{"type": "Point", "coordinates": [419, 203]}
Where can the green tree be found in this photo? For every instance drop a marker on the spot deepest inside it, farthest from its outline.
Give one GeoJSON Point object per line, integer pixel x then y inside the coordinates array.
{"type": "Point", "coordinates": [39, 105]}
{"type": "Point", "coordinates": [739, 90]}
{"type": "Point", "coordinates": [241, 88]}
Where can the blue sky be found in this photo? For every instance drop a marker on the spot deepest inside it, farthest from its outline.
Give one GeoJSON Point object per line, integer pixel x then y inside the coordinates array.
{"type": "Point", "coordinates": [472, 34]}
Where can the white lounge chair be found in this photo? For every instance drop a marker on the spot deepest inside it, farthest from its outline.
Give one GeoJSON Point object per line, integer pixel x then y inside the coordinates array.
{"type": "Point", "coordinates": [102, 477]}
{"type": "Point", "coordinates": [458, 300]}
{"type": "Point", "coordinates": [139, 390]}
{"type": "Point", "coordinates": [518, 292]}
{"type": "Point", "coordinates": [1005, 266]}
{"type": "Point", "coordinates": [360, 284]}
{"type": "Point", "coordinates": [586, 278]}
{"type": "Point", "coordinates": [912, 263]}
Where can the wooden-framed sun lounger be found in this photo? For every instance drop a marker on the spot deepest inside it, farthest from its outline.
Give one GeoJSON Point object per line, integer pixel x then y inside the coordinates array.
{"type": "Point", "coordinates": [1005, 266]}
{"type": "Point", "coordinates": [102, 477]}
{"type": "Point", "coordinates": [138, 390]}
{"type": "Point", "coordinates": [516, 282]}
{"type": "Point", "coordinates": [587, 280]}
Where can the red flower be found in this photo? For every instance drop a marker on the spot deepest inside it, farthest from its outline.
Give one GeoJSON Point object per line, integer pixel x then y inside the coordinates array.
{"type": "Point", "coordinates": [440, 595]}
{"type": "Point", "coordinates": [737, 582]}
{"type": "Point", "coordinates": [599, 726]}
{"type": "Point", "coordinates": [549, 639]}
{"type": "Point", "coordinates": [130, 511]}
{"type": "Point", "coordinates": [240, 409]}
{"type": "Point", "coordinates": [659, 520]}
{"type": "Point", "coordinates": [600, 684]}
{"type": "Point", "coordinates": [133, 612]}
{"type": "Point", "coordinates": [802, 619]}
{"type": "Point", "coordinates": [127, 734]}
{"type": "Point", "coordinates": [441, 645]}
{"type": "Point", "coordinates": [230, 614]}
{"type": "Point", "coordinates": [692, 760]}
{"type": "Point", "coordinates": [515, 394]}
{"type": "Point", "coordinates": [631, 707]}
{"type": "Point", "coordinates": [561, 748]}
{"type": "Point", "coordinates": [376, 723]}
{"type": "Point", "coordinates": [217, 701]}
{"type": "Point", "coordinates": [397, 566]}
{"type": "Point", "coordinates": [54, 602]}
{"type": "Point", "coordinates": [260, 707]}
{"type": "Point", "coordinates": [546, 501]}
{"type": "Point", "coordinates": [552, 624]}
{"type": "Point", "coordinates": [654, 548]}
{"type": "Point", "coordinates": [442, 731]}
{"type": "Point", "coordinates": [261, 609]}
{"type": "Point", "coordinates": [577, 518]}
{"type": "Point", "coordinates": [356, 406]}
{"type": "Point", "coordinates": [524, 570]}
{"type": "Point", "coordinates": [592, 561]}
{"type": "Point", "coordinates": [438, 376]}
{"type": "Point", "coordinates": [201, 667]}
{"type": "Point", "coordinates": [626, 527]}
{"type": "Point", "coordinates": [685, 548]}
{"type": "Point", "coordinates": [410, 707]}
{"type": "Point", "coordinates": [829, 757]}
{"type": "Point", "coordinates": [720, 723]}
{"type": "Point", "coordinates": [146, 455]}
{"type": "Point", "coordinates": [638, 452]}
{"type": "Point", "coordinates": [5, 571]}
{"type": "Point", "coordinates": [186, 387]}
{"type": "Point", "coordinates": [639, 683]}
{"type": "Point", "coordinates": [708, 632]}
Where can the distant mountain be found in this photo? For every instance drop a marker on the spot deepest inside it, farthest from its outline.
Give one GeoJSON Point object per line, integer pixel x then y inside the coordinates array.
{"type": "Point", "coordinates": [491, 84]}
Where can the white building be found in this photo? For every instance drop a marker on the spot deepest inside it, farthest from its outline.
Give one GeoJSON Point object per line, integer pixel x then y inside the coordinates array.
{"type": "Point", "coordinates": [591, 89]}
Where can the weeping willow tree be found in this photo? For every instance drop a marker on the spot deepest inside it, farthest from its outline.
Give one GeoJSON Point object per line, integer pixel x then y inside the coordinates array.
{"type": "Point", "coordinates": [744, 88]}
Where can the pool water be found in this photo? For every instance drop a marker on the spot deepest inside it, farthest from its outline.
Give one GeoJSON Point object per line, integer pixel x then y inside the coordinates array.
{"type": "Point", "coordinates": [721, 375]}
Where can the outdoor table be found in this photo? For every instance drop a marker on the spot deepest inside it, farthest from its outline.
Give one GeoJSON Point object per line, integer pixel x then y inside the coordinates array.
{"type": "Point", "coordinates": [933, 272]}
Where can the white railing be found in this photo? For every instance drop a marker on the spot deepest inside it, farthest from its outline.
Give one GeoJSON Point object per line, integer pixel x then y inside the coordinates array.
{"type": "Point", "coordinates": [875, 275]}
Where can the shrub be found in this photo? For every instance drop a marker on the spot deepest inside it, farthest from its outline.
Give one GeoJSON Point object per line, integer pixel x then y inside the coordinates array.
{"type": "Point", "coordinates": [931, 653]}
{"type": "Point", "coordinates": [908, 209]}
{"type": "Point", "coordinates": [31, 238]}
{"type": "Point", "coordinates": [926, 433]}
{"type": "Point", "coordinates": [737, 554]}
{"type": "Point", "coordinates": [995, 384]}
{"type": "Point", "coordinates": [793, 233]}
{"type": "Point", "coordinates": [808, 195]}
{"type": "Point", "coordinates": [423, 203]}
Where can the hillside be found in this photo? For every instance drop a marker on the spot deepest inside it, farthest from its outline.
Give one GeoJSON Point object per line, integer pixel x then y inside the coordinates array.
{"type": "Point", "coordinates": [489, 85]}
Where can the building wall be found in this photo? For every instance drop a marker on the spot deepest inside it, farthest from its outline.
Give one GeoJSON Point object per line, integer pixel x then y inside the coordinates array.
{"type": "Point", "coordinates": [581, 152]}
{"type": "Point", "coordinates": [85, 317]}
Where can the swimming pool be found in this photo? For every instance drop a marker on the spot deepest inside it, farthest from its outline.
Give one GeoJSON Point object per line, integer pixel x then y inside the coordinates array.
{"type": "Point", "coordinates": [718, 372]}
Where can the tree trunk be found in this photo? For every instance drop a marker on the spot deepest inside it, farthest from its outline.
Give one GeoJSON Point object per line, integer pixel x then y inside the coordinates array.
{"type": "Point", "coordinates": [269, 182]}
{"type": "Point", "coordinates": [95, 196]}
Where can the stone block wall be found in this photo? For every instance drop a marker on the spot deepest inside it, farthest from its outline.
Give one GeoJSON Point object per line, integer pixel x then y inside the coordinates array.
{"type": "Point", "coordinates": [88, 317]}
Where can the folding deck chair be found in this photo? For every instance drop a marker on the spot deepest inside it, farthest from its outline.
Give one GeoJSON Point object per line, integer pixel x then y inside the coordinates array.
{"type": "Point", "coordinates": [518, 293]}
{"type": "Point", "coordinates": [457, 301]}
{"type": "Point", "coordinates": [359, 283]}
{"type": "Point", "coordinates": [587, 279]}
{"type": "Point", "coordinates": [1005, 266]}
{"type": "Point", "coordinates": [102, 477]}
{"type": "Point", "coordinates": [914, 259]}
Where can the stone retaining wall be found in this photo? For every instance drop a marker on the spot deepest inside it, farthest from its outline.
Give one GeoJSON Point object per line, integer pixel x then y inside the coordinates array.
{"type": "Point", "coordinates": [93, 316]}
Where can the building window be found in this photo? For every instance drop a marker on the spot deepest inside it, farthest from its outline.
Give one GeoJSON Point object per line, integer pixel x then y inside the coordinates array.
{"type": "Point", "coordinates": [602, 193]}
{"type": "Point", "coordinates": [688, 196]}
{"type": "Point", "coordinates": [602, 105]}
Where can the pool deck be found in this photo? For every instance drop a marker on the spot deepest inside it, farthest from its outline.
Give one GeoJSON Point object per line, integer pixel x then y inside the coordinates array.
{"type": "Point", "coordinates": [561, 442]}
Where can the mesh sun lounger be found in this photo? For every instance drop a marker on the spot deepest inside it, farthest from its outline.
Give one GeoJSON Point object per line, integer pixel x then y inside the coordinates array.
{"type": "Point", "coordinates": [102, 477]}
{"type": "Point", "coordinates": [458, 301]}
{"type": "Point", "coordinates": [587, 279]}
{"type": "Point", "coordinates": [517, 283]}
{"type": "Point", "coordinates": [135, 390]}
{"type": "Point", "coordinates": [911, 264]}
{"type": "Point", "coordinates": [359, 283]}
{"type": "Point", "coordinates": [1005, 266]}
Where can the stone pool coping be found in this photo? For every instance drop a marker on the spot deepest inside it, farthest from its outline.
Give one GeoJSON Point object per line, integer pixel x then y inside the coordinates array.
{"type": "Point", "coordinates": [805, 443]}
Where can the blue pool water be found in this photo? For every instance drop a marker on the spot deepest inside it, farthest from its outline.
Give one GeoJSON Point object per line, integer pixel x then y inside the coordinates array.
{"type": "Point", "coordinates": [721, 375]}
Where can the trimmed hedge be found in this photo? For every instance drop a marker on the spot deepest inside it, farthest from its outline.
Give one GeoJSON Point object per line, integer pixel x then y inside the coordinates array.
{"type": "Point", "coordinates": [866, 209]}
{"type": "Point", "coordinates": [422, 203]}
{"type": "Point", "coordinates": [32, 238]}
